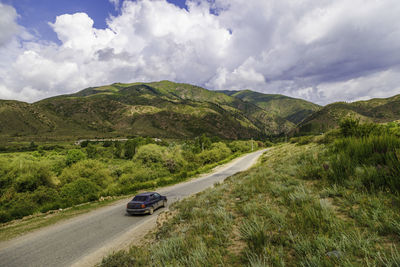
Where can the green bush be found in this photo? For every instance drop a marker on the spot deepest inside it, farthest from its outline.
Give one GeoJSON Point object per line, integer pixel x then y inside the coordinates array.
{"type": "Point", "coordinates": [92, 151]}
{"type": "Point", "coordinates": [218, 152]}
{"type": "Point", "coordinates": [242, 146]}
{"type": "Point", "coordinates": [79, 191]}
{"type": "Point", "coordinates": [73, 156]}
{"type": "Point", "coordinates": [173, 159]}
{"type": "Point", "coordinates": [21, 205]}
{"type": "Point", "coordinates": [5, 216]}
{"type": "Point", "coordinates": [30, 175]}
{"type": "Point", "coordinates": [149, 154]}
{"type": "Point", "coordinates": [44, 195]}
{"type": "Point", "coordinates": [92, 170]}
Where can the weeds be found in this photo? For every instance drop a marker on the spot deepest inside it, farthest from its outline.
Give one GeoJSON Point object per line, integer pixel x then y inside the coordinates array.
{"type": "Point", "coordinates": [284, 217]}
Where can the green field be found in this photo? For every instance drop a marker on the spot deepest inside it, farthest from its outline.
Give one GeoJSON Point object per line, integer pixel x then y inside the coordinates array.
{"type": "Point", "coordinates": [329, 200]}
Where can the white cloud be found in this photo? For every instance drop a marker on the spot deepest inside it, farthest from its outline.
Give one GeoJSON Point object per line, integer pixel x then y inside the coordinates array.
{"type": "Point", "coordinates": [319, 50]}
{"type": "Point", "coordinates": [8, 25]}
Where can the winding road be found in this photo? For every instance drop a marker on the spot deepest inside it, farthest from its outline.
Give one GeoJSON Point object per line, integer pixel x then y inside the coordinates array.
{"type": "Point", "coordinates": [85, 239]}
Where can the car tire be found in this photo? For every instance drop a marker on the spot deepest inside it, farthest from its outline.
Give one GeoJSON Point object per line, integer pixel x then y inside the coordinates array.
{"type": "Point", "coordinates": [151, 210]}
{"type": "Point", "coordinates": [163, 203]}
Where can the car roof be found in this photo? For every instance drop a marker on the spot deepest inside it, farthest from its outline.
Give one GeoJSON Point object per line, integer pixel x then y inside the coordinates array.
{"type": "Point", "coordinates": [146, 194]}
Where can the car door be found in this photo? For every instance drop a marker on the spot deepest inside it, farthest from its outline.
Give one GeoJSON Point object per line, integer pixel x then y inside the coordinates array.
{"type": "Point", "coordinates": [157, 199]}
{"type": "Point", "coordinates": [153, 202]}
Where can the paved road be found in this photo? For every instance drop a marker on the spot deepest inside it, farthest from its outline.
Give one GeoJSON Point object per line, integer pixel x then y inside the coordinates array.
{"type": "Point", "coordinates": [66, 243]}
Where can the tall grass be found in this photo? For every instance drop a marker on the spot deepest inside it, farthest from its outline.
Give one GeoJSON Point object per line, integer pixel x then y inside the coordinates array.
{"type": "Point", "coordinates": [377, 157]}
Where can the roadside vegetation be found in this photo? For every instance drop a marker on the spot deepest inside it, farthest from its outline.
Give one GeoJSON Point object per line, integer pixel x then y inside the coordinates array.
{"type": "Point", "coordinates": [43, 179]}
{"type": "Point", "coordinates": [331, 200]}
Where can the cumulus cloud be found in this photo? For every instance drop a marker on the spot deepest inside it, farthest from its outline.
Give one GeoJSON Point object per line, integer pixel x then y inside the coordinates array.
{"type": "Point", "coordinates": [8, 25]}
{"type": "Point", "coordinates": [322, 51]}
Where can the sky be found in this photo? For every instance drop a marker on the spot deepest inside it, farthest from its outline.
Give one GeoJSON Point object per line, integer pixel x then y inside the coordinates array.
{"type": "Point", "coordinates": [319, 50]}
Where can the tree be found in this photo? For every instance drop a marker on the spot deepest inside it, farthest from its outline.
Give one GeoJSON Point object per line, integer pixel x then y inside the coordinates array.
{"type": "Point", "coordinates": [202, 142]}
{"type": "Point", "coordinates": [32, 146]}
{"type": "Point", "coordinates": [73, 156]}
{"type": "Point", "coordinates": [118, 149]}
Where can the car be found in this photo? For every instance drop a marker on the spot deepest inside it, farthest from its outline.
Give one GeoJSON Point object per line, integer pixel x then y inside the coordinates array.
{"type": "Point", "coordinates": [146, 202]}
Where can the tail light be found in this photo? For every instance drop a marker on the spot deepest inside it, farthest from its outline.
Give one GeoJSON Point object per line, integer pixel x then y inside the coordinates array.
{"type": "Point", "coordinates": [143, 206]}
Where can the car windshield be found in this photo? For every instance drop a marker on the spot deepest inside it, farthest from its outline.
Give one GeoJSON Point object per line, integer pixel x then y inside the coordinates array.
{"type": "Point", "coordinates": [140, 198]}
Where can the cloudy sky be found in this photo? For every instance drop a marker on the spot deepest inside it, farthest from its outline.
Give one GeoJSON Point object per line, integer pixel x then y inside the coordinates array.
{"type": "Point", "coordinates": [319, 50]}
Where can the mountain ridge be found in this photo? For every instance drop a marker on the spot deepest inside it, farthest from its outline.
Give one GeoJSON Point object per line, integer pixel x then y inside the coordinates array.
{"type": "Point", "coordinates": [159, 109]}
{"type": "Point", "coordinates": [378, 110]}
{"type": "Point", "coordinates": [178, 110]}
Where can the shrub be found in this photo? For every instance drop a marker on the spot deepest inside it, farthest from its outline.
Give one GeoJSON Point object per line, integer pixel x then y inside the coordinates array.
{"type": "Point", "coordinates": [73, 156]}
{"type": "Point", "coordinates": [44, 195]}
{"type": "Point", "coordinates": [173, 159]}
{"type": "Point", "coordinates": [5, 216]}
{"type": "Point", "coordinates": [149, 154]}
{"type": "Point", "coordinates": [32, 175]}
{"type": "Point", "coordinates": [21, 205]}
{"type": "Point", "coordinates": [79, 191]}
{"type": "Point", "coordinates": [242, 146]}
{"type": "Point", "coordinates": [92, 151]}
{"type": "Point", "coordinates": [92, 170]}
{"type": "Point", "coordinates": [218, 151]}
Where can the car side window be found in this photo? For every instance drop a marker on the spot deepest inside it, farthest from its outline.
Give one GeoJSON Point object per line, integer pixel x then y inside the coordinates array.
{"type": "Point", "coordinates": [156, 196]}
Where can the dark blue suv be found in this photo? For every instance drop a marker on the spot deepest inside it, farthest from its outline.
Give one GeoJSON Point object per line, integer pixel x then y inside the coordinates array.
{"type": "Point", "coordinates": [146, 203]}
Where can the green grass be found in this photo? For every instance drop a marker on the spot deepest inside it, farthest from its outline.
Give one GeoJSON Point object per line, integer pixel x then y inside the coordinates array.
{"type": "Point", "coordinates": [276, 215]}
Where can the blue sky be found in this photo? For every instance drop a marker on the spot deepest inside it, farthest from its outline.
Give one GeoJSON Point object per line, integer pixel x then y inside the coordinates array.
{"type": "Point", "coordinates": [323, 51]}
{"type": "Point", "coordinates": [36, 14]}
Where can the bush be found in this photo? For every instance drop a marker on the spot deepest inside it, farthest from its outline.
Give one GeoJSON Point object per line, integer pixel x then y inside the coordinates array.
{"type": "Point", "coordinates": [5, 216]}
{"type": "Point", "coordinates": [44, 195]}
{"type": "Point", "coordinates": [218, 152]}
{"type": "Point", "coordinates": [21, 205]}
{"type": "Point", "coordinates": [92, 151]}
{"type": "Point", "coordinates": [73, 156]}
{"type": "Point", "coordinates": [79, 191]}
{"type": "Point", "coordinates": [149, 154]}
{"type": "Point", "coordinates": [173, 159]}
{"type": "Point", "coordinates": [32, 175]}
{"type": "Point", "coordinates": [242, 146]}
{"type": "Point", "coordinates": [92, 170]}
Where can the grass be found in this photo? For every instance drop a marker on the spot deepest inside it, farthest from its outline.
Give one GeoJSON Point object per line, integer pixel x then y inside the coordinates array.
{"type": "Point", "coordinates": [276, 215]}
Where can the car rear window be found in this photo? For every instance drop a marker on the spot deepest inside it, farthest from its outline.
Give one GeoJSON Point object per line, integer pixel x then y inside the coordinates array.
{"type": "Point", "coordinates": [140, 198]}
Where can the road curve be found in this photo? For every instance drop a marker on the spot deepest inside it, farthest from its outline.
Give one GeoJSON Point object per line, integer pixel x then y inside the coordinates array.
{"type": "Point", "coordinates": [69, 242]}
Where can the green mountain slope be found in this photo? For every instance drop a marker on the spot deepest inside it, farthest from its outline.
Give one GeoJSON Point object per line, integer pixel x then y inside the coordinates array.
{"type": "Point", "coordinates": [378, 110]}
{"type": "Point", "coordinates": [159, 109]}
{"type": "Point", "coordinates": [292, 109]}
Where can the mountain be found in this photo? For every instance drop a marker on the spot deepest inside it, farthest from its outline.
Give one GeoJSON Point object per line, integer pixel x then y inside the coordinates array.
{"type": "Point", "coordinates": [291, 109]}
{"type": "Point", "coordinates": [378, 110]}
{"type": "Point", "coordinates": [158, 109]}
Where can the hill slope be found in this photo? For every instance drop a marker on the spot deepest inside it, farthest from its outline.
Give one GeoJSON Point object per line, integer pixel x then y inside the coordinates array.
{"type": "Point", "coordinates": [159, 109]}
{"type": "Point", "coordinates": [378, 110]}
{"type": "Point", "coordinates": [292, 109]}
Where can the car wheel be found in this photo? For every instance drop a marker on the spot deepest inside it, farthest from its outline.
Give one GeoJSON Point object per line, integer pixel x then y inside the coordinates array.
{"type": "Point", "coordinates": [163, 203]}
{"type": "Point", "coordinates": [151, 210]}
